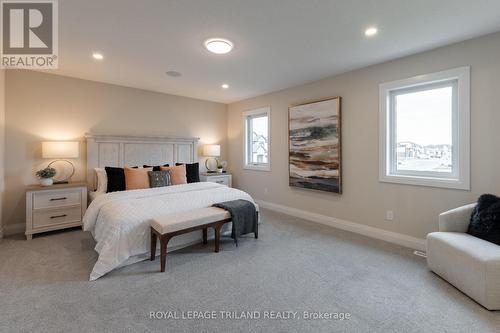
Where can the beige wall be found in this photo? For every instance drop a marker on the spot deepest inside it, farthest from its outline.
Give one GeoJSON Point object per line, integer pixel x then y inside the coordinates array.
{"type": "Point", "coordinates": [2, 136]}
{"type": "Point", "coordinates": [365, 199]}
{"type": "Point", "coordinates": [48, 107]}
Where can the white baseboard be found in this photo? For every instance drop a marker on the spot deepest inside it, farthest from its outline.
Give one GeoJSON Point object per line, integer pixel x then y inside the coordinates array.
{"type": "Point", "coordinates": [385, 235]}
{"type": "Point", "coordinates": [12, 229]}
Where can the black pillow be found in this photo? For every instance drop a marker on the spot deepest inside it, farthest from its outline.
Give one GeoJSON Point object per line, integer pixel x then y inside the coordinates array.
{"type": "Point", "coordinates": [485, 219]}
{"type": "Point", "coordinates": [192, 172]}
{"type": "Point", "coordinates": [116, 179]}
{"type": "Point", "coordinates": [156, 167]}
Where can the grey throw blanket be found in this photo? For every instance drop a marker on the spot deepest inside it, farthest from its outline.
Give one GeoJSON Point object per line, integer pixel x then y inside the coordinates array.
{"type": "Point", "coordinates": [244, 216]}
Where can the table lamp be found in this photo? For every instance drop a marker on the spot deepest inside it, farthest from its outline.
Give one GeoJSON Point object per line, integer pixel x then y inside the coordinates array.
{"type": "Point", "coordinates": [211, 151]}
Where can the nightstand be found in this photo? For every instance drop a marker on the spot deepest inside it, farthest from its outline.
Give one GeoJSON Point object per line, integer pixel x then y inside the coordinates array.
{"type": "Point", "coordinates": [54, 207]}
{"type": "Point", "coordinates": [219, 178]}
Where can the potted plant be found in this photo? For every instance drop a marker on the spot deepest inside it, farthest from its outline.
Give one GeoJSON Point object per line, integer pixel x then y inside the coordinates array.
{"type": "Point", "coordinates": [45, 176]}
{"type": "Point", "coordinates": [221, 166]}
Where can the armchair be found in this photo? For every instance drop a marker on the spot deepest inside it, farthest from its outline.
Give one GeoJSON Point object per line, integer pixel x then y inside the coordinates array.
{"type": "Point", "coordinates": [467, 262]}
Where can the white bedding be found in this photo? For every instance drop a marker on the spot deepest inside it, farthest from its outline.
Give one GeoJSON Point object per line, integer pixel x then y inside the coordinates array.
{"type": "Point", "coordinates": [119, 221]}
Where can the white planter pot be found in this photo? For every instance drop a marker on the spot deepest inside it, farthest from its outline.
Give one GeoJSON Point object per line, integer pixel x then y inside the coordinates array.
{"type": "Point", "coordinates": [220, 170]}
{"type": "Point", "coordinates": [46, 181]}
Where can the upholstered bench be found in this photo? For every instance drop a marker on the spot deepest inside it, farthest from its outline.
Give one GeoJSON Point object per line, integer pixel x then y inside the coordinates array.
{"type": "Point", "coordinates": [168, 226]}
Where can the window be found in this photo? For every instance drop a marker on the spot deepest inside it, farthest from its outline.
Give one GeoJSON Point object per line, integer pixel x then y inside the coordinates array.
{"type": "Point", "coordinates": [424, 128]}
{"type": "Point", "coordinates": [257, 143]}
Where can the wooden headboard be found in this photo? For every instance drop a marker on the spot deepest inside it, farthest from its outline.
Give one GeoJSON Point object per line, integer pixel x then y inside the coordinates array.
{"type": "Point", "coordinates": [119, 151]}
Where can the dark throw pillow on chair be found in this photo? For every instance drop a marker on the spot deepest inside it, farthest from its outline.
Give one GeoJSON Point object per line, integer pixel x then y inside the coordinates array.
{"type": "Point", "coordinates": [485, 219]}
{"type": "Point", "coordinates": [116, 179]}
{"type": "Point", "coordinates": [192, 172]}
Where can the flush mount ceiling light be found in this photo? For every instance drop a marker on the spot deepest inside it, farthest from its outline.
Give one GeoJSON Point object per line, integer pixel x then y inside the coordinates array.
{"type": "Point", "coordinates": [371, 31]}
{"type": "Point", "coordinates": [97, 56]}
{"type": "Point", "coordinates": [225, 86]}
{"type": "Point", "coordinates": [218, 45]}
{"type": "Point", "coordinates": [173, 73]}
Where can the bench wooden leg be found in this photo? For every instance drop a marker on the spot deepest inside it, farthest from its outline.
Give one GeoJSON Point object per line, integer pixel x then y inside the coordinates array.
{"type": "Point", "coordinates": [163, 251]}
{"type": "Point", "coordinates": [217, 228]}
{"type": "Point", "coordinates": [153, 245]}
{"type": "Point", "coordinates": [205, 235]}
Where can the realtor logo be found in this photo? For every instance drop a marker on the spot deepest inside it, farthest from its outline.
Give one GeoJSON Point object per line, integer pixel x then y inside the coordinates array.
{"type": "Point", "coordinates": [29, 34]}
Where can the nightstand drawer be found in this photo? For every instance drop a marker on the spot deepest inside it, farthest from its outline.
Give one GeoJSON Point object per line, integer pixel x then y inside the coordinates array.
{"type": "Point", "coordinates": [50, 217]}
{"type": "Point", "coordinates": [219, 180]}
{"type": "Point", "coordinates": [59, 198]}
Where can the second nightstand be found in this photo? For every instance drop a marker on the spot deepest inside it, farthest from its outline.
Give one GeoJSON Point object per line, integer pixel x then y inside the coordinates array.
{"type": "Point", "coordinates": [219, 178]}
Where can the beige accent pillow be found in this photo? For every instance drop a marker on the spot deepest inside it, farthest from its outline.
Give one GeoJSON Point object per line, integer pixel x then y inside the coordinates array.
{"type": "Point", "coordinates": [102, 180]}
{"type": "Point", "coordinates": [177, 174]}
{"type": "Point", "coordinates": [136, 179]}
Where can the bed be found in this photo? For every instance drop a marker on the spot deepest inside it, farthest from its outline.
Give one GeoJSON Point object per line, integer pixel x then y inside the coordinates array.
{"type": "Point", "coordinates": [119, 221]}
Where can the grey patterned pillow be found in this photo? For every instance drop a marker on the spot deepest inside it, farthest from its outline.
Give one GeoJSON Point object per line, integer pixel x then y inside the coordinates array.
{"type": "Point", "coordinates": [159, 178]}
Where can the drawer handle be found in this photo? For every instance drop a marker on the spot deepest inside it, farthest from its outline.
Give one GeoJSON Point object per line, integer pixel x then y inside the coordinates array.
{"type": "Point", "coordinates": [56, 199]}
{"type": "Point", "coordinates": [57, 216]}
{"type": "Point", "coordinates": [219, 182]}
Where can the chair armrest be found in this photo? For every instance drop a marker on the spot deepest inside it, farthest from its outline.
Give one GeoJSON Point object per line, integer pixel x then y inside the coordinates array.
{"type": "Point", "coordinates": [456, 220]}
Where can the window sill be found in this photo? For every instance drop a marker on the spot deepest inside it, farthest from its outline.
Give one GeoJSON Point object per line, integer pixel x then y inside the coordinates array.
{"type": "Point", "coordinates": [426, 181]}
{"type": "Point", "coordinates": [258, 167]}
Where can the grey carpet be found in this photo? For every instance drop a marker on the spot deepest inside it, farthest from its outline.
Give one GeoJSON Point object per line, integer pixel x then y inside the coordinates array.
{"type": "Point", "coordinates": [294, 266]}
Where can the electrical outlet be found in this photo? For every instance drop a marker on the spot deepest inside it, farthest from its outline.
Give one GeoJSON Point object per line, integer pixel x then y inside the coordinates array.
{"type": "Point", "coordinates": [420, 254]}
{"type": "Point", "coordinates": [389, 215]}
{"type": "Point", "coordinates": [265, 190]}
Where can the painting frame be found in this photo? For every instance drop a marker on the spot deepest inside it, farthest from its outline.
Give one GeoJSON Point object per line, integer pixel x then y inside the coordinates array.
{"type": "Point", "coordinates": [331, 184]}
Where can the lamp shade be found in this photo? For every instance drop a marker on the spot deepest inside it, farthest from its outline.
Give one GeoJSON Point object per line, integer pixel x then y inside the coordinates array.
{"type": "Point", "coordinates": [60, 149]}
{"type": "Point", "coordinates": [211, 150]}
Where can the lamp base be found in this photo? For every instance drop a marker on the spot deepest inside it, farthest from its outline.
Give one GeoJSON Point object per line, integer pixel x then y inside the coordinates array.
{"type": "Point", "coordinates": [209, 170]}
{"type": "Point", "coordinates": [63, 180]}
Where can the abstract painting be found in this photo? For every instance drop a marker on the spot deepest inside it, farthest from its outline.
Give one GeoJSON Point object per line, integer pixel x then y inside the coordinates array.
{"type": "Point", "coordinates": [314, 145]}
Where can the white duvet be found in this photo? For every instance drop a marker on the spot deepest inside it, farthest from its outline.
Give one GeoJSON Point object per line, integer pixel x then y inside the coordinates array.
{"type": "Point", "coordinates": [119, 221]}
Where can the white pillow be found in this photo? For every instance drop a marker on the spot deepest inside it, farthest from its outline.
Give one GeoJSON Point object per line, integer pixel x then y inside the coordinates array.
{"type": "Point", "coordinates": [102, 180]}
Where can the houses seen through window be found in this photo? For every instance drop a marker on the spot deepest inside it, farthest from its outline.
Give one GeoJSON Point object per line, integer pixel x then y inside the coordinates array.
{"type": "Point", "coordinates": [424, 130]}
{"type": "Point", "coordinates": [259, 139]}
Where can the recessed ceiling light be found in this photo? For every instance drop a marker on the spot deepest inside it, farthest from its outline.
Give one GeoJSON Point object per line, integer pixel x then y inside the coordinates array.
{"type": "Point", "coordinates": [371, 31]}
{"type": "Point", "coordinates": [225, 86]}
{"type": "Point", "coordinates": [219, 45]}
{"type": "Point", "coordinates": [173, 73]}
{"type": "Point", "coordinates": [98, 56]}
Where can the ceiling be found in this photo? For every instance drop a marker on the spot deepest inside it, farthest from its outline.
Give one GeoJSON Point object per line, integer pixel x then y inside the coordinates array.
{"type": "Point", "coordinates": [278, 43]}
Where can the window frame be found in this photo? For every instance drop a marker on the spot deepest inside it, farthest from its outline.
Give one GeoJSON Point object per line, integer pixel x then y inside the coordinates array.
{"type": "Point", "coordinates": [263, 111]}
{"type": "Point", "coordinates": [460, 176]}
